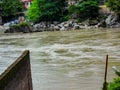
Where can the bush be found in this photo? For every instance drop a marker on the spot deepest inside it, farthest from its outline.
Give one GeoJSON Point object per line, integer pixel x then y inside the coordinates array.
{"type": "Point", "coordinates": [114, 5]}
{"type": "Point", "coordinates": [115, 85]}
{"type": "Point", "coordinates": [22, 27]}
{"type": "Point", "coordinates": [12, 8]}
{"type": "Point", "coordinates": [65, 18]}
{"type": "Point", "coordinates": [44, 10]}
{"type": "Point", "coordinates": [24, 24]}
{"type": "Point", "coordinates": [87, 9]}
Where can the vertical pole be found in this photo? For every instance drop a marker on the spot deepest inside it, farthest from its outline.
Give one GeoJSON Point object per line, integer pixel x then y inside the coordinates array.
{"type": "Point", "coordinates": [105, 77]}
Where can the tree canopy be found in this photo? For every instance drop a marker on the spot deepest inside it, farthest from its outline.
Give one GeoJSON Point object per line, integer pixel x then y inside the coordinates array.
{"type": "Point", "coordinates": [46, 10]}
{"type": "Point", "coordinates": [11, 7]}
{"type": "Point", "coordinates": [86, 9]}
{"type": "Point", "coordinates": [114, 5]}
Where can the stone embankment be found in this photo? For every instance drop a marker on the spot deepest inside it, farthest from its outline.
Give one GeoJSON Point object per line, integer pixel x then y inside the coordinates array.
{"type": "Point", "coordinates": [64, 26]}
{"type": "Point", "coordinates": [112, 21]}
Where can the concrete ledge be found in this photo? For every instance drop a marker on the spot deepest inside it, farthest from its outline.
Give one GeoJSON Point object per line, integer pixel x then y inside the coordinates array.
{"type": "Point", "coordinates": [18, 75]}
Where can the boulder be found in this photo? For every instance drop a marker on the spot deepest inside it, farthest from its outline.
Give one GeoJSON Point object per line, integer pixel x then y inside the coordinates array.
{"type": "Point", "coordinates": [115, 25]}
{"type": "Point", "coordinates": [101, 24]}
{"type": "Point", "coordinates": [56, 28]}
{"type": "Point", "coordinates": [93, 22]}
{"type": "Point", "coordinates": [86, 22]}
{"type": "Point", "coordinates": [55, 22]}
{"type": "Point", "coordinates": [66, 25]}
{"type": "Point", "coordinates": [62, 29]}
{"type": "Point", "coordinates": [76, 26]}
{"type": "Point", "coordinates": [15, 29]}
{"type": "Point", "coordinates": [111, 19]}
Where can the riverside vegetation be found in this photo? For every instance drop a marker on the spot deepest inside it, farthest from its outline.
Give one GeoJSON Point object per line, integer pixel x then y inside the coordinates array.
{"type": "Point", "coordinates": [52, 15]}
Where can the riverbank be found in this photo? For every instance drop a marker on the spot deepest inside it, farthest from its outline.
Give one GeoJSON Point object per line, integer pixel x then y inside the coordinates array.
{"type": "Point", "coordinates": [111, 21]}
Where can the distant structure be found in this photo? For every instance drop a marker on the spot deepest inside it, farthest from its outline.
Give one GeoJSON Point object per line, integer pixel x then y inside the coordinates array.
{"type": "Point", "coordinates": [27, 3]}
{"type": "Point", "coordinates": [71, 2]}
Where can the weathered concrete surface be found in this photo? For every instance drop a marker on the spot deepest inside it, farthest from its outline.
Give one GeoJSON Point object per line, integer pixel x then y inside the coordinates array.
{"type": "Point", "coordinates": [18, 75]}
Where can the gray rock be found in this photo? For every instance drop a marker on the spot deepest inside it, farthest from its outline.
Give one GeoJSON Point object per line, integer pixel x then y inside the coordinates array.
{"type": "Point", "coordinates": [56, 28]}
{"type": "Point", "coordinates": [116, 25]}
{"type": "Point", "coordinates": [52, 25]}
{"type": "Point", "coordinates": [86, 22]}
{"type": "Point", "coordinates": [66, 25]}
{"type": "Point", "coordinates": [101, 24]}
{"type": "Point", "coordinates": [62, 29]}
{"type": "Point", "coordinates": [93, 22]}
{"type": "Point", "coordinates": [82, 27]}
{"type": "Point", "coordinates": [76, 26]}
{"type": "Point", "coordinates": [39, 27]}
{"type": "Point", "coordinates": [55, 22]}
{"type": "Point", "coordinates": [111, 19]}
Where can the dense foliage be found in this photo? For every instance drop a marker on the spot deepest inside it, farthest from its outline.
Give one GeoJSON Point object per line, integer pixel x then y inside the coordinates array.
{"type": "Point", "coordinates": [47, 10]}
{"type": "Point", "coordinates": [115, 85]}
{"type": "Point", "coordinates": [33, 13]}
{"type": "Point", "coordinates": [114, 5]}
{"type": "Point", "coordinates": [86, 9]}
{"type": "Point", "coordinates": [11, 7]}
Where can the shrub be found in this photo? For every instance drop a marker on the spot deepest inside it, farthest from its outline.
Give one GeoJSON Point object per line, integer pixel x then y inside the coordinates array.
{"type": "Point", "coordinates": [87, 9]}
{"type": "Point", "coordinates": [115, 85]}
{"type": "Point", "coordinates": [114, 5]}
{"type": "Point", "coordinates": [11, 7]}
{"type": "Point", "coordinates": [47, 10]}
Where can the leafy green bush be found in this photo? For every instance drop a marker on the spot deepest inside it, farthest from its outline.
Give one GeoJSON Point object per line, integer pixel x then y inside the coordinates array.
{"type": "Point", "coordinates": [72, 9]}
{"type": "Point", "coordinates": [114, 5]}
{"type": "Point", "coordinates": [24, 24]}
{"type": "Point", "coordinates": [65, 18]}
{"type": "Point", "coordinates": [115, 85]}
{"type": "Point", "coordinates": [22, 27]}
{"type": "Point", "coordinates": [87, 9]}
{"type": "Point", "coordinates": [33, 13]}
{"type": "Point", "coordinates": [47, 10]}
{"type": "Point", "coordinates": [11, 7]}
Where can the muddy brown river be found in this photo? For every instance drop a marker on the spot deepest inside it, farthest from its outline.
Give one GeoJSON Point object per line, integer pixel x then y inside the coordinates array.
{"type": "Point", "coordinates": [65, 60]}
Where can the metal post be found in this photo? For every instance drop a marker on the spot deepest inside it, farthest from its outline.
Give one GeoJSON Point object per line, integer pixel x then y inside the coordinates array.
{"type": "Point", "coordinates": [105, 77]}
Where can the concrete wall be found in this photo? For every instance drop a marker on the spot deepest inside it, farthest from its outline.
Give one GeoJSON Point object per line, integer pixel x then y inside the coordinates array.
{"type": "Point", "coordinates": [18, 75]}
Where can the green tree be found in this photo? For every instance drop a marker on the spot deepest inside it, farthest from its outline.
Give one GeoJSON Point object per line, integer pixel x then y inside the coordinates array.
{"type": "Point", "coordinates": [46, 10]}
{"type": "Point", "coordinates": [34, 12]}
{"type": "Point", "coordinates": [86, 9]}
{"type": "Point", "coordinates": [114, 5]}
{"type": "Point", "coordinates": [11, 7]}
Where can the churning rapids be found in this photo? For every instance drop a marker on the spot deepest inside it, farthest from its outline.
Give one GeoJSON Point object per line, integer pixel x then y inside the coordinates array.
{"type": "Point", "coordinates": [65, 60]}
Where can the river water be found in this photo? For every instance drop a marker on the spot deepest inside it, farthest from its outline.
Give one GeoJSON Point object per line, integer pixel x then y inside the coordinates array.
{"type": "Point", "coordinates": [65, 60]}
